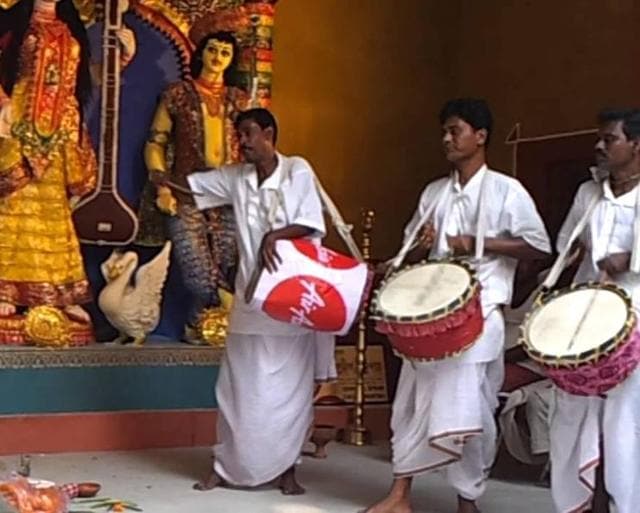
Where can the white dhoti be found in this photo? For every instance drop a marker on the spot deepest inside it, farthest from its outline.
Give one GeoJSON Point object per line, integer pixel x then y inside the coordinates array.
{"type": "Point", "coordinates": [443, 416]}
{"type": "Point", "coordinates": [578, 424]}
{"type": "Point", "coordinates": [265, 406]}
{"type": "Point", "coordinates": [621, 435]}
{"type": "Point", "coordinates": [325, 366]}
{"type": "Point", "coordinates": [575, 450]}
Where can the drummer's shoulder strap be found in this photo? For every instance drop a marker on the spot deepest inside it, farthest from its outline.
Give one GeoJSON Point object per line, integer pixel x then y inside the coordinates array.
{"type": "Point", "coordinates": [280, 199]}
{"type": "Point", "coordinates": [559, 264]}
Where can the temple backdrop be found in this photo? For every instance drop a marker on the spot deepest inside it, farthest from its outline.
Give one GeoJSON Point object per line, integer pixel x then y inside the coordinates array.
{"type": "Point", "coordinates": [156, 65]}
{"type": "Point", "coordinates": [357, 88]}
{"type": "Point", "coordinates": [358, 84]}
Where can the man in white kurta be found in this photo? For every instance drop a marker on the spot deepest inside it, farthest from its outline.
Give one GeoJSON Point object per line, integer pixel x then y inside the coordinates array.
{"type": "Point", "coordinates": [475, 376]}
{"type": "Point", "coordinates": [265, 386]}
{"type": "Point", "coordinates": [443, 411]}
{"type": "Point", "coordinates": [587, 430]}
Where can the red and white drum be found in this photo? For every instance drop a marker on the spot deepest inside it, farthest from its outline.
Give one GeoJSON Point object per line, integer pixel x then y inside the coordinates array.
{"type": "Point", "coordinates": [430, 311]}
{"type": "Point", "coordinates": [585, 336]}
{"type": "Point", "coordinates": [314, 287]}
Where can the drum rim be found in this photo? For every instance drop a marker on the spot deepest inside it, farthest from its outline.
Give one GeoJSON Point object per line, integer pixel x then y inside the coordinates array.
{"type": "Point", "coordinates": [586, 357]}
{"type": "Point", "coordinates": [436, 315]}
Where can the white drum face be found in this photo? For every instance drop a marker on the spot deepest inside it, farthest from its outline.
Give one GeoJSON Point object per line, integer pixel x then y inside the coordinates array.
{"type": "Point", "coordinates": [422, 290]}
{"type": "Point", "coordinates": [576, 322]}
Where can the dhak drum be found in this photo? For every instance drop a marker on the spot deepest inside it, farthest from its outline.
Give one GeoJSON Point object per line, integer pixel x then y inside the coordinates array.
{"type": "Point", "coordinates": [585, 337]}
{"type": "Point", "coordinates": [430, 311]}
{"type": "Point", "coordinates": [313, 287]}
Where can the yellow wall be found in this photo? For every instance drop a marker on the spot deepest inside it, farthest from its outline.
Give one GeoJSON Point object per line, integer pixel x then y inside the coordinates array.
{"type": "Point", "coordinates": [357, 85]}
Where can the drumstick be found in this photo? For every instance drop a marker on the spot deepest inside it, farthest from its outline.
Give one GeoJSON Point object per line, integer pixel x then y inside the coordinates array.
{"type": "Point", "coordinates": [253, 282]}
{"type": "Point", "coordinates": [408, 244]}
{"type": "Point", "coordinates": [561, 260]}
{"type": "Point", "coordinates": [411, 248]}
{"type": "Point", "coordinates": [601, 277]}
{"type": "Point", "coordinates": [181, 188]}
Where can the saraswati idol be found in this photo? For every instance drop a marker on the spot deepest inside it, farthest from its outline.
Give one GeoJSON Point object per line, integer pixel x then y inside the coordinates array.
{"type": "Point", "coordinates": [46, 164]}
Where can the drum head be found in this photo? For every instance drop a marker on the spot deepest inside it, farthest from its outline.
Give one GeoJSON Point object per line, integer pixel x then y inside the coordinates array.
{"type": "Point", "coordinates": [424, 290]}
{"type": "Point", "coordinates": [577, 323]}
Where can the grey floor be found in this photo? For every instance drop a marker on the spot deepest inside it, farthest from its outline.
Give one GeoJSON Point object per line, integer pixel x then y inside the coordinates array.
{"type": "Point", "coordinates": [160, 482]}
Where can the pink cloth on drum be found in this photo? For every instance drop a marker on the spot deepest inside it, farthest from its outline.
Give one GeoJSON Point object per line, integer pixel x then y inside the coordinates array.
{"type": "Point", "coordinates": [597, 378]}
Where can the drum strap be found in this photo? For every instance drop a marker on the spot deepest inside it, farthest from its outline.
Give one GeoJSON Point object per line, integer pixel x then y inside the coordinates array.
{"type": "Point", "coordinates": [559, 264]}
{"type": "Point", "coordinates": [443, 195]}
{"type": "Point", "coordinates": [277, 201]}
{"type": "Point", "coordinates": [481, 218]}
{"type": "Point", "coordinates": [445, 191]}
{"type": "Point", "coordinates": [343, 229]}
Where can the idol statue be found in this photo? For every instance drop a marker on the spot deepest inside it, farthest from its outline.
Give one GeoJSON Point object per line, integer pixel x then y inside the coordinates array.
{"type": "Point", "coordinates": [193, 130]}
{"type": "Point", "coordinates": [47, 161]}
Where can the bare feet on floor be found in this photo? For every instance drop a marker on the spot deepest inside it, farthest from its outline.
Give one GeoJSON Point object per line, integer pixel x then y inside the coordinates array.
{"type": "Point", "coordinates": [467, 506]}
{"type": "Point", "coordinates": [288, 484]}
{"type": "Point", "coordinates": [6, 309]}
{"type": "Point", "coordinates": [213, 480]}
{"type": "Point", "coordinates": [390, 504]}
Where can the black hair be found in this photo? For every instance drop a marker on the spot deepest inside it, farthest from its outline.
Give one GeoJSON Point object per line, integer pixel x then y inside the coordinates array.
{"type": "Point", "coordinates": [231, 73]}
{"type": "Point", "coordinates": [16, 22]}
{"type": "Point", "coordinates": [474, 111]}
{"type": "Point", "coordinates": [262, 117]}
{"type": "Point", "coordinates": [630, 120]}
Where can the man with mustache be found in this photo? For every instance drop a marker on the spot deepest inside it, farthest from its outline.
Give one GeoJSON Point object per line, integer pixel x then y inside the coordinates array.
{"type": "Point", "coordinates": [595, 441]}
{"type": "Point", "coordinates": [265, 386]}
{"type": "Point", "coordinates": [443, 410]}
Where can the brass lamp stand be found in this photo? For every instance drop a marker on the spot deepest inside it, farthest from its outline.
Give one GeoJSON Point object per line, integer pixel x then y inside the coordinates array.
{"type": "Point", "coordinates": [356, 433]}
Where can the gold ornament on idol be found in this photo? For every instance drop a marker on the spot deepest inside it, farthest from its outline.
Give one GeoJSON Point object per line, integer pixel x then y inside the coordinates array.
{"type": "Point", "coordinates": [212, 95]}
{"type": "Point", "coordinates": [47, 326]}
{"type": "Point", "coordinates": [213, 323]}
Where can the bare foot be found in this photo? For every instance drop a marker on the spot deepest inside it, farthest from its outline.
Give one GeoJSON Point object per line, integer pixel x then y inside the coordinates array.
{"type": "Point", "coordinates": [77, 313]}
{"type": "Point", "coordinates": [390, 504]}
{"type": "Point", "coordinates": [467, 506]}
{"type": "Point", "coordinates": [6, 309]}
{"type": "Point", "coordinates": [288, 484]}
{"type": "Point", "coordinates": [212, 481]}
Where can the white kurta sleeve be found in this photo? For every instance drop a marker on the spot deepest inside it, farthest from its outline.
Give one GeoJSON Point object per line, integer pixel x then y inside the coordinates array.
{"type": "Point", "coordinates": [523, 219]}
{"type": "Point", "coordinates": [309, 207]}
{"type": "Point", "coordinates": [212, 188]}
